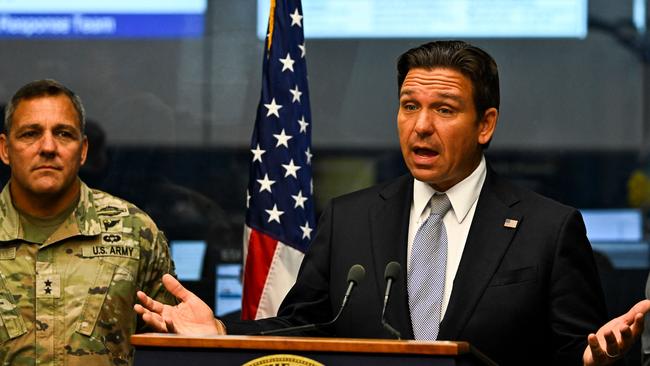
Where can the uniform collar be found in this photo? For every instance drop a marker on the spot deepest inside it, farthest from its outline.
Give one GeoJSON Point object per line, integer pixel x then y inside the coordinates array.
{"type": "Point", "coordinates": [9, 222]}
{"type": "Point", "coordinates": [85, 215]}
{"type": "Point", "coordinates": [82, 221]}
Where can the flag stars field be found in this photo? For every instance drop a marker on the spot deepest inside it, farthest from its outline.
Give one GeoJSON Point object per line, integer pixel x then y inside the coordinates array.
{"type": "Point", "coordinates": [291, 169]}
{"type": "Point", "coordinates": [265, 183]}
{"type": "Point", "coordinates": [283, 139]}
{"type": "Point", "coordinates": [296, 18]}
{"type": "Point", "coordinates": [287, 63]}
{"type": "Point", "coordinates": [300, 200]}
{"type": "Point", "coordinates": [273, 109]}
{"type": "Point", "coordinates": [303, 124]}
{"type": "Point", "coordinates": [306, 231]}
{"type": "Point", "coordinates": [274, 214]}
{"type": "Point", "coordinates": [296, 94]}
{"type": "Point", "coordinates": [257, 153]}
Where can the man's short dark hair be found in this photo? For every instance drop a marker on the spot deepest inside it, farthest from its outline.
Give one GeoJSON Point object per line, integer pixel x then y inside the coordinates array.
{"type": "Point", "coordinates": [471, 61]}
{"type": "Point", "coordinates": [42, 88]}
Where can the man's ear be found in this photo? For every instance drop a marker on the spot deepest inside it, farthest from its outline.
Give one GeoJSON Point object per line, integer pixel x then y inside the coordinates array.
{"type": "Point", "coordinates": [487, 125]}
{"type": "Point", "coordinates": [84, 149]}
{"type": "Point", "coordinates": [4, 148]}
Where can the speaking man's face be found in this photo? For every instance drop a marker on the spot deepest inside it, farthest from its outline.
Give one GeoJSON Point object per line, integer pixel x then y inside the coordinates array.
{"type": "Point", "coordinates": [439, 132]}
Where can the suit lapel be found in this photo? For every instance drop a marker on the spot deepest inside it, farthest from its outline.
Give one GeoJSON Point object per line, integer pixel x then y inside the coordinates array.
{"type": "Point", "coordinates": [488, 239]}
{"type": "Point", "coordinates": [389, 220]}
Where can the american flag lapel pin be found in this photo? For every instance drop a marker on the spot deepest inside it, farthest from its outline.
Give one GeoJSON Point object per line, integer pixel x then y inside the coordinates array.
{"type": "Point", "coordinates": [510, 223]}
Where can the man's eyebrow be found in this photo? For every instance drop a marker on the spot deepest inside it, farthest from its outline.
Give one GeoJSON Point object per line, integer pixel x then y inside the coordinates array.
{"type": "Point", "coordinates": [455, 97]}
{"type": "Point", "coordinates": [405, 92]}
{"type": "Point", "coordinates": [28, 126]}
{"type": "Point", "coordinates": [452, 96]}
{"type": "Point", "coordinates": [63, 125]}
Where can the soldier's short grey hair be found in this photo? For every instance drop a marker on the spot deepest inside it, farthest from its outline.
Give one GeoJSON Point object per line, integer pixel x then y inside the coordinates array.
{"type": "Point", "coordinates": [41, 88]}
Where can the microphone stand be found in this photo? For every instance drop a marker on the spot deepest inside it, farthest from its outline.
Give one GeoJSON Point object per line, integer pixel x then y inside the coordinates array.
{"type": "Point", "coordinates": [355, 275]}
{"type": "Point", "coordinates": [391, 273]}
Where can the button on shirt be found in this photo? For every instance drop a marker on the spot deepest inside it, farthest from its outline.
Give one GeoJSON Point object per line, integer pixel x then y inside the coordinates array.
{"type": "Point", "coordinates": [463, 197]}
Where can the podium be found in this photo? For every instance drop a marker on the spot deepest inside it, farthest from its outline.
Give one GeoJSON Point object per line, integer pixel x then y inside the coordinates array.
{"type": "Point", "coordinates": [157, 349]}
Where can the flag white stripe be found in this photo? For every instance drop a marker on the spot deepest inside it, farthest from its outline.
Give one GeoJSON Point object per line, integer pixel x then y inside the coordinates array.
{"type": "Point", "coordinates": [282, 275]}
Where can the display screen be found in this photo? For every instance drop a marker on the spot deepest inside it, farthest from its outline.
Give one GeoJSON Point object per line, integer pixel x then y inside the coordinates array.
{"type": "Point", "coordinates": [438, 18]}
{"type": "Point", "coordinates": [228, 288]}
{"type": "Point", "coordinates": [188, 258]}
{"type": "Point", "coordinates": [102, 19]}
{"type": "Point", "coordinates": [613, 225]}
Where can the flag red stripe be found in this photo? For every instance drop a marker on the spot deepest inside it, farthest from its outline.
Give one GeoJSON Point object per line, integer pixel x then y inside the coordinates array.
{"type": "Point", "coordinates": [261, 249]}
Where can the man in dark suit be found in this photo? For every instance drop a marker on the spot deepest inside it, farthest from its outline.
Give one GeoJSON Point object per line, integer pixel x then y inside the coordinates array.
{"type": "Point", "coordinates": [515, 276]}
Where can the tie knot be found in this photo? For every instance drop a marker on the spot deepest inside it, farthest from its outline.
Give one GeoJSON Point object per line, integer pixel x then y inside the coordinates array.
{"type": "Point", "coordinates": [439, 204]}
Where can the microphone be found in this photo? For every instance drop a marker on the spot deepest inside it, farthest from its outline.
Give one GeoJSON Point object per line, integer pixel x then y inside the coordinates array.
{"type": "Point", "coordinates": [391, 274]}
{"type": "Point", "coordinates": [355, 276]}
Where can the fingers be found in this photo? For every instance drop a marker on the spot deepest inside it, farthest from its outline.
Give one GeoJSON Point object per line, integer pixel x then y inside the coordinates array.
{"type": "Point", "coordinates": [169, 325]}
{"type": "Point", "coordinates": [175, 288]}
{"type": "Point", "coordinates": [637, 326]}
{"type": "Point", "coordinates": [152, 319]}
{"type": "Point", "coordinates": [149, 303]}
{"type": "Point", "coordinates": [221, 327]}
{"type": "Point", "coordinates": [593, 343]}
{"type": "Point", "coordinates": [612, 347]}
{"type": "Point", "coordinates": [156, 323]}
{"type": "Point", "coordinates": [151, 312]}
{"type": "Point", "coordinates": [599, 353]}
{"type": "Point", "coordinates": [642, 307]}
{"type": "Point", "coordinates": [594, 347]}
{"type": "Point", "coordinates": [617, 336]}
{"type": "Point", "coordinates": [630, 333]}
{"type": "Point", "coordinates": [626, 334]}
{"type": "Point", "coordinates": [139, 309]}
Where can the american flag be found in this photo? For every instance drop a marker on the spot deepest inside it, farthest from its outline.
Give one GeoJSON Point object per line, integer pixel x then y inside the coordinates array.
{"type": "Point", "coordinates": [280, 208]}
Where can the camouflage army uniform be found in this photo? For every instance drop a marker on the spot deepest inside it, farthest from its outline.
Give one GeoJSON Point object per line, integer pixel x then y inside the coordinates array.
{"type": "Point", "coordinates": [70, 300]}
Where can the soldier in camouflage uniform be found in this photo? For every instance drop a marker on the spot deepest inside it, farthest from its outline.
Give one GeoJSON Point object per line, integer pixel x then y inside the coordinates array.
{"type": "Point", "coordinates": [71, 258]}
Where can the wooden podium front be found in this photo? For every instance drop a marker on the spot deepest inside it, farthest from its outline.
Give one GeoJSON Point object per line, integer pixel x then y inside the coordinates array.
{"type": "Point", "coordinates": [156, 349]}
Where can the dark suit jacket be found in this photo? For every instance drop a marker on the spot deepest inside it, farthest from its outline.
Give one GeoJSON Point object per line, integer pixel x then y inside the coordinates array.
{"type": "Point", "coordinates": [523, 296]}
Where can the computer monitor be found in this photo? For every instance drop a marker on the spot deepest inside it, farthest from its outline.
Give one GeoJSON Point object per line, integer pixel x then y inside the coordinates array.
{"type": "Point", "coordinates": [428, 19]}
{"type": "Point", "coordinates": [188, 258]}
{"type": "Point", "coordinates": [618, 234]}
{"type": "Point", "coordinates": [613, 225]}
{"type": "Point", "coordinates": [228, 288]}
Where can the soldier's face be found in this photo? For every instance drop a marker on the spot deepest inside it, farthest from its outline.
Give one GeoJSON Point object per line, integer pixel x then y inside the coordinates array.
{"type": "Point", "coordinates": [45, 147]}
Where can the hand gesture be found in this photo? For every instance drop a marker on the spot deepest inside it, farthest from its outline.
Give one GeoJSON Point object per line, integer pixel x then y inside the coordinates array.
{"type": "Point", "coordinates": [616, 337]}
{"type": "Point", "coordinates": [191, 316]}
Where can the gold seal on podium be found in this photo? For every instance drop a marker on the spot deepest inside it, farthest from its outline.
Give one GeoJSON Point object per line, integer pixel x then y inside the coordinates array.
{"type": "Point", "coordinates": [282, 360]}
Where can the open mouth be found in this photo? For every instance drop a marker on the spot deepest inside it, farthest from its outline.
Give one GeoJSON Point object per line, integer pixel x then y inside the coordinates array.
{"type": "Point", "coordinates": [425, 152]}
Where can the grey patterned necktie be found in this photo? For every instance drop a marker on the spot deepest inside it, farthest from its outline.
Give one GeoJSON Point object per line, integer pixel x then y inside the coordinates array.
{"type": "Point", "coordinates": [426, 275]}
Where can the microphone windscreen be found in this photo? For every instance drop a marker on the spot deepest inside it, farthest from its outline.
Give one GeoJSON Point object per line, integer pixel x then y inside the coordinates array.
{"type": "Point", "coordinates": [392, 270]}
{"type": "Point", "coordinates": [356, 273]}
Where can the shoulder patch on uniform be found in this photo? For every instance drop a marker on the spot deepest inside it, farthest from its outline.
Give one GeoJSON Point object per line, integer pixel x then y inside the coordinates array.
{"type": "Point", "coordinates": [111, 238]}
{"type": "Point", "coordinates": [112, 224]}
{"type": "Point", "coordinates": [111, 211]}
{"type": "Point", "coordinates": [109, 223]}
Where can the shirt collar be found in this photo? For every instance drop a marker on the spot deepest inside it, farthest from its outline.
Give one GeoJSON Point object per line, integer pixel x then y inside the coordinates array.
{"type": "Point", "coordinates": [462, 195]}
